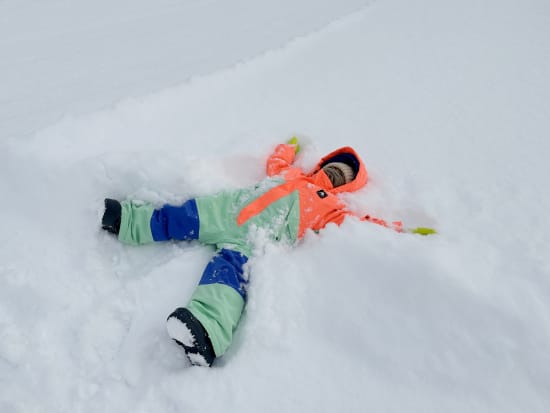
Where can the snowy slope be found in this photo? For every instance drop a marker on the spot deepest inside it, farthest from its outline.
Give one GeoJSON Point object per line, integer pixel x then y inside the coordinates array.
{"type": "Point", "coordinates": [55, 52]}
{"type": "Point", "coordinates": [448, 102]}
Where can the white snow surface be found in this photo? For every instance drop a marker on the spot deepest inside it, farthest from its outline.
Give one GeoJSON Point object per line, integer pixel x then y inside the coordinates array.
{"type": "Point", "coordinates": [448, 102]}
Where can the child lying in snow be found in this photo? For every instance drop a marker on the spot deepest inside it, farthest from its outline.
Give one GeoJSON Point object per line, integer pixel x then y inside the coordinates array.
{"type": "Point", "coordinates": [285, 204]}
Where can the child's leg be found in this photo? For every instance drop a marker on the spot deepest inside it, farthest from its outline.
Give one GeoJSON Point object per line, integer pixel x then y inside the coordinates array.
{"type": "Point", "coordinates": [205, 327]}
{"type": "Point", "coordinates": [139, 223]}
{"type": "Point", "coordinates": [175, 222]}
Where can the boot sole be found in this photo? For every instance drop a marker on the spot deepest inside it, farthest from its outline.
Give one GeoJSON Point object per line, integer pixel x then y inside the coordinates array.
{"type": "Point", "coordinates": [182, 328]}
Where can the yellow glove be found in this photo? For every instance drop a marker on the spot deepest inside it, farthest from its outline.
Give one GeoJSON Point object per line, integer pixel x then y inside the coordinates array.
{"type": "Point", "coordinates": [423, 231]}
{"type": "Point", "coordinates": [294, 141]}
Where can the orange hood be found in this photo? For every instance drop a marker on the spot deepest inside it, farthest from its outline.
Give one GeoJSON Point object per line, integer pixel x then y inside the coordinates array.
{"type": "Point", "coordinates": [346, 155]}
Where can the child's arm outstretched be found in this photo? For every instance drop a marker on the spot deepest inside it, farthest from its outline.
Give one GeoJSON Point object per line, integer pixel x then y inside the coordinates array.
{"type": "Point", "coordinates": [283, 157]}
{"type": "Point", "coordinates": [398, 226]}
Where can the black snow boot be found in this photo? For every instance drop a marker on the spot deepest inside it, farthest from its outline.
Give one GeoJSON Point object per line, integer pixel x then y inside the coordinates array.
{"type": "Point", "coordinates": [189, 333]}
{"type": "Point", "coordinates": [111, 217]}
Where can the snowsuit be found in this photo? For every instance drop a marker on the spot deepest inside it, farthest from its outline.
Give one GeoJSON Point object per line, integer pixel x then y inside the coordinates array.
{"type": "Point", "coordinates": [285, 205]}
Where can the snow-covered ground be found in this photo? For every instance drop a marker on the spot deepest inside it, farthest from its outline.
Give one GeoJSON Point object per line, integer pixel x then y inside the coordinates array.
{"type": "Point", "coordinates": [447, 101]}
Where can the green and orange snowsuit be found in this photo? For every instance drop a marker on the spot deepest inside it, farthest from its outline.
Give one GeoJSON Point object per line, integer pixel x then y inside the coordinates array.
{"type": "Point", "coordinates": [284, 206]}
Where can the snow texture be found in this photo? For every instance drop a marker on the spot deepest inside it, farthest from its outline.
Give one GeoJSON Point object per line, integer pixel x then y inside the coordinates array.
{"type": "Point", "coordinates": [448, 102]}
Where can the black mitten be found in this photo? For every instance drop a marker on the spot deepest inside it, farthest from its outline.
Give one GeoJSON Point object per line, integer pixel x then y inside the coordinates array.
{"type": "Point", "coordinates": [111, 217]}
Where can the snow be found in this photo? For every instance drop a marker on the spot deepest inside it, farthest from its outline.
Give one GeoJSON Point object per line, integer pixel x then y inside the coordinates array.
{"type": "Point", "coordinates": [447, 102]}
